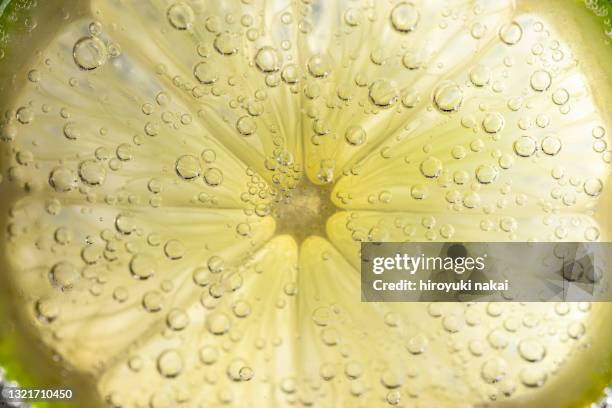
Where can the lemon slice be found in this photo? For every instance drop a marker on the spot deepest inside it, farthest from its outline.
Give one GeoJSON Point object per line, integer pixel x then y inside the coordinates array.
{"type": "Point", "coordinates": [185, 186]}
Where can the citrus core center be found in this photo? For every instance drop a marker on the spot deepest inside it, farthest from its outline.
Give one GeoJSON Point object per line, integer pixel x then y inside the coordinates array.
{"type": "Point", "coordinates": [305, 211]}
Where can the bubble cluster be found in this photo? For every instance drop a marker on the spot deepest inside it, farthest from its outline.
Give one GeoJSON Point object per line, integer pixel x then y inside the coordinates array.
{"type": "Point", "coordinates": [203, 190]}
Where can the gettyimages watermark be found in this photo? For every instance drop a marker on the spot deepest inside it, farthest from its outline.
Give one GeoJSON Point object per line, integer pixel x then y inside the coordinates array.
{"type": "Point", "coordinates": [491, 271]}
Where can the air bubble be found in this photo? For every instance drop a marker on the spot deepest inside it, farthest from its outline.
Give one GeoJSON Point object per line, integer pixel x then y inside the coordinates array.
{"type": "Point", "coordinates": [533, 376]}
{"type": "Point", "coordinates": [180, 16]}
{"type": "Point", "coordinates": [551, 145]}
{"type": "Point", "coordinates": [8, 132]}
{"type": "Point", "coordinates": [393, 397]}
{"type": "Point", "coordinates": [89, 53]}
{"type": "Point", "coordinates": [448, 97]}
{"type": "Point", "coordinates": [47, 310]}
{"type": "Point", "coordinates": [576, 330]}
{"type": "Point", "coordinates": [413, 59]}
{"type": "Point", "coordinates": [246, 373]}
{"type": "Point", "coordinates": [352, 17]}
{"type": "Point", "coordinates": [243, 229]}
{"type": "Point", "coordinates": [494, 370]}
{"type": "Point", "coordinates": [511, 33]}
{"type": "Point", "coordinates": [208, 156]}
{"type": "Point", "coordinates": [290, 74]}
{"type": "Point", "coordinates": [330, 336]}
{"type": "Point", "coordinates": [213, 176]}
{"type": "Point", "coordinates": [124, 152]}
{"type": "Point", "coordinates": [170, 363]}
{"type": "Point", "coordinates": [174, 249]}
{"type": "Point", "coordinates": [404, 17]}
{"type": "Point", "coordinates": [508, 224]}
{"type": "Point", "coordinates": [177, 320]}
{"type": "Point", "coordinates": [321, 316]}
{"type": "Point", "coordinates": [419, 192]}
{"type": "Point", "coordinates": [205, 73]}
{"type": "Point", "coordinates": [452, 323]}
{"type": "Point", "coordinates": [215, 264]}
{"type": "Point", "coordinates": [593, 187]}
{"type": "Point", "coordinates": [188, 167]}
{"type": "Point", "coordinates": [62, 179]}
{"type": "Point", "coordinates": [319, 66]}
{"type": "Point", "coordinates": [353, 370]}
{"type": "Point", "coordinates": [92, 172]}
{"type": "Point", "coordinates": [598, 132]}
{"type": "Point", "coordinates": [25, 115]}
{"type": "Point", "coordinates": [226, 43]}
{"type": "Point", "coordinates": [218, 323]}
{"type": "Point", "coordinates": [560, 96]}
{"type": "Point", "coordinates": [383, 93]}
{"type": "Point", "coordinates": [480, 75]}
{"type": "Point", "coordinates": [64, 275]}
{"type": "Point", "coordinates": [267, 60]}
{"type": "Point", "coordinates": [246, 125]}
{"type": "Point", "coordinates": [208, 355]}
{"type": "Point", "coordinates": [355, 135]}
{"type": "Point", "coordinates": [411, 99]}
{"type": "Point", "coordinates": [431, 167]}
{"type": "Point", "coordinates": [288, 385]}
{"type": "Point", "coordinates": [120, 294]}
{"type": "Point", "coordinates": [531, 350]}
{"type": "Point", "coordinates": [201, 276]}
{"type": "Point", "coordinates": [417, 344]}
{"type": "Point", "coordinates": [486, 174]}
{"type": "Point", "coordinates": [34, 75]}
{"type": "Point", "coordinates": [478, 30]}
{"type": "Point", "coordinates": [241, 309]}
{"type": "Point", "coordinates": [525, 146]}
{"type": "Point", "coordinates": [591, 234]}
{"type": "Point", "coordinates": [540, 80]}
{"type": "Point", "coordinates": [493, 122]}
{"type": "Point", "coordinates": [63, 235]}
{"type": "Point", "coordinates": [476, 347]}
{"type": "Point", "coordinates": [327, 371]}
{"type": "Point", "coordinates": [142, 266]}
{"type": "Point", "coordinates": [152, 301]}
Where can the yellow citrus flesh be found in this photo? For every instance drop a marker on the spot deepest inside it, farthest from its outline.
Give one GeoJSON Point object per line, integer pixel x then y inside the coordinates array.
{"type": "Point", "coordinates": [185, 186]}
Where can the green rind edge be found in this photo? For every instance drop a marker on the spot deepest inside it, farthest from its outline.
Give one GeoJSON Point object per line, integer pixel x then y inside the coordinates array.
{"type": "Point", "coordinates": [13, 367]}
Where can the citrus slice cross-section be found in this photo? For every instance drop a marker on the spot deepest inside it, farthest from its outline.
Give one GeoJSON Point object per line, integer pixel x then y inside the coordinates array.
{"type": "Point", "coordinates": [185, 186]}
